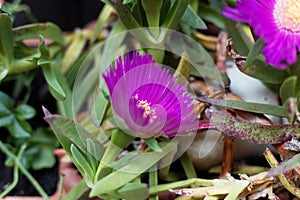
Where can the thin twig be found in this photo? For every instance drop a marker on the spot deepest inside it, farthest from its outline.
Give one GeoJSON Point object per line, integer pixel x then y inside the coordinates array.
{"type": "Point", "coordinates": [37, 186]}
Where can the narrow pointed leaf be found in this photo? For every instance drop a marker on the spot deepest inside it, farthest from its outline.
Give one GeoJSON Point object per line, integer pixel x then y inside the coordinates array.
{"type": "Point", "coordinates": [82, 162]}
{"type": "Point", "coordinates": [136, 190]}
{"type": "Point", "coordinates": [257, 133]}
{"type": "Point", "coordinates": [191, 18]}
{"type": "Point", "coordinates": [267, 109]}
{"type": "Point", "coordinates": [67, 131]}
{"type": "Point", "coordinates": [153, 144]}
{"type": "Point", "coordinates": [100, 107]}
{"type": "Point", "coordinates": [54, 86]}
{"type": "Point", "coordinates": [102, 19]}
{"type": "Point", "coordinates": [175, 14]}
{"type": "Point", "coordinates": [129, 172]}
{"type": "Point", "coordinates": [6, 38]}
{"type": "Point", "coordinates": [288, 88]}
{"type": "Point", "coordinates": [73, 51]}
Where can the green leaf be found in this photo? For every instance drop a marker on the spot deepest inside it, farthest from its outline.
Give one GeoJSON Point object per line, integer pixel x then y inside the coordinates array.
{"type": "Point", "coordinates": [152, 12]}
{"type": "Point", "coordinates": [268, 74]}
{"type": "Point", "coordinates": [152, 144]}
{"type": "Point", "coordinates": [191, 18]}
{"type": "Point", "coordinates": [73, 51]}
{"type": "Point", "coordinates": [19, 129]}
{"type": "Point", "coordinates": [80, 160]}
{"type": "Point", "coordinates": [46, 142]}
{"type": "Point", "coordinates": [289, 88]}
{"type": "Point", "coordinates": [78, 192]}
{"type": "Point", "coordinates": [241, 40]}
{"type": "Point", "coordinates": [257, 133]}
{"type": "Point", "coordinates": [6, 39]}
{"type": "Point", "coordinates": [24, 111]}
{"type": "Point", "coordinates": [255, 66]}
{"type": "Point", "coordinates": [209, 14]}
{"type": "Point", "coordinates": [53, 84]}
{"type": "Point", "coordinates": [255, 52]}
{"type": "Point", "coordinates": [267, 109]}
{"type": "Point", "coordinates": [165, 8]}
{"type": "Point", "coordinates": [127, 17]}
{"type": "Point", "coordinates": [127, 1]}
{"type": "Point", "coordinates": [67, 131]}
{"type": "Point", "coordinates": [9, 118]}
{"type": "Point", "coordinates": [183, 70]}
{"type": "Point", "coordinates": [134, 191]}
{"type": "Point", "coordinates": [205, 67]}
{"type": "Point", "coordinates": [46, 159]}
{"type": "Point", "coordinates": [3, 73]}
{"type": "Point", "coordinates": [129, 172]}
{"type": "Point", "coordinates": [6, 102]}
{"type": "Point", "coordinates": [50, 71]}
{"type": "Point", "coordinates": [91, 151]}
{"type": "Point", "coordinates": [101, 21]}
{"type": "Point", "coordinates": [175, 14]}
{"type": "Point", "coordinates": [47, 30]}
{"type": "Point", "coordinates": [100, 107]}
{"type": "Point", "coordinates": [6, 120]}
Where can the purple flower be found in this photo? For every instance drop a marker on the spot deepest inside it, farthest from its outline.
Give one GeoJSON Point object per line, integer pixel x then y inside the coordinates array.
{"type": "Point", "coordinates": [277, 22]}
{"type": "Point", "coordinates": [147, 98]}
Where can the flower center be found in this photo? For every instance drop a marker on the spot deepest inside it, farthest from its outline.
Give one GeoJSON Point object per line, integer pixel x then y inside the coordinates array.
{"type": "Point", "coordinates": [287, 14]}
{"type": "Point", "coordinates": [148, 111]}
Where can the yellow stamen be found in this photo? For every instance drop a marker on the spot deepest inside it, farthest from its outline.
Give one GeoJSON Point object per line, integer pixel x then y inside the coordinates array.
{"type": "Point", "coordinates": [148, 111]}
{"type": "Point", "coordinates": [287, 14]}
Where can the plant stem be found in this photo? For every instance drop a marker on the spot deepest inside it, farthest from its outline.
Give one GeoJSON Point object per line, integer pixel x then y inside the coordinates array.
{"type": "Point", "coordinates": [21, 65]}
{"type": "Point", "coordinates": [119, 140]}
{"type": "Point", "coordinates": [37, 186]}
{"type": "Point", "coordinates": [153, 181]}
{"type": "Point", "coordinates": [188, 166]}
{"type": "Point", "coordinates": [16, 174]}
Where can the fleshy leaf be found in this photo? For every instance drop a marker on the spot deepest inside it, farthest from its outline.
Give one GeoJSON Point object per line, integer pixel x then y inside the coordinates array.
{"type": "Point", "coordinates": [153, 144]}
{"type": "Point", "coordinates": [129, 172]}
{"type": "Point", "coordinates": [6, 38]}
{"type": "Point", "coordinates": [24, 111]}
{"type": "Point", "coordinates": [100, 107]}
{"type": "Point", "coordinates": [175, 14]}
{"type": "Point", "coordinates": [289, 88]}
{"type": "Point", "coordinates": [81, 161]}
{"type": "Point", "coordinates": [136, 190]}
{"type": "Point", "coordinates": [47, 30]}
{"type": "Point", "coordinates": [191, 18]}
{"type": "Point", "coordinates": [267, 109]}
{"type": "Point", "coordinates": [67, 131]}
{"type": "Point", "coordinates": [12, 118]}
{"type": "Point", "coordinates": [255, 66]}
{"type": "Point", "coordinates": [73, 51]}
{"type": "Point", "coordinates": [53, 84]}
{"type": "Point", "coordinates": [257, 133]}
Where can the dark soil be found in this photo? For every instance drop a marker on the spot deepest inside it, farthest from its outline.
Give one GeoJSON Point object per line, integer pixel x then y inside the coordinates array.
{"type": "Point", "coordinates": [47, 178]}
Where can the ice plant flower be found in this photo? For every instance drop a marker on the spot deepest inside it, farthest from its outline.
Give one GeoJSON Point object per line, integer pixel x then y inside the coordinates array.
{"type": "Point", "coordinates": [277, 22]}
{"type": "Point", "coordinates": [148, 98]}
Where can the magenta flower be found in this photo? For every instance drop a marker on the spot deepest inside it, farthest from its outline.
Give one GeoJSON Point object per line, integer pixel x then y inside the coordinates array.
{"type": "Point", "coordinates": [277, 22]}
{"type": "Point", "coordinates": [147, 98]}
